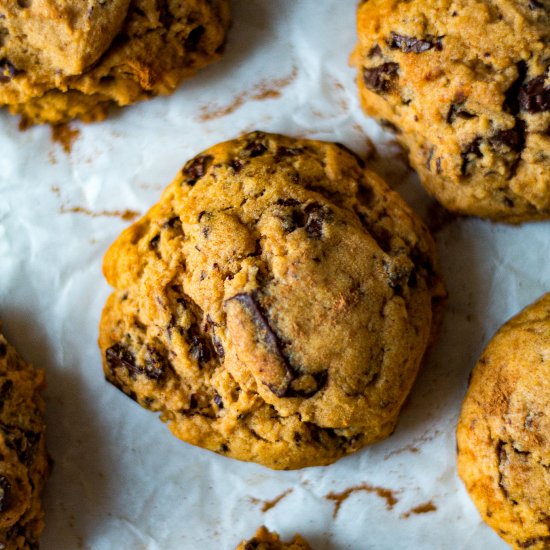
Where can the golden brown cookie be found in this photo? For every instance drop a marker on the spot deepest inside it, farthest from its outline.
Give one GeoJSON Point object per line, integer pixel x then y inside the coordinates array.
{"type": "Point", "coordinates": [104, 54]}
{"type": "Point", "coordinates": [466, 86]}
{"type": "Point", "coordinates": [24, 463]}
{"type": "Point", "coordinates": [275, 305]}
{"type": "Point", "coordinates": [269, 540]}
{"type": "Point", "coordinates": [503, 433]}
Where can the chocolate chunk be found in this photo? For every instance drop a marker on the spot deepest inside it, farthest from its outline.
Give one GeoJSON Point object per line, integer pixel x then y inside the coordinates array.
{"type": "Point", "coordinates": [317, 215]}
{"type": "Point", "coordinates": [408, 44]}
{"type": "Point", "coordinates": [535, 5]}
{"type": "Point", "coordinates": [3, 349]}
{"type": "Point", "coordinates": [510, 139]}
{"type": "Point", "coordinates": [380, 79]}
{"type": "Point", "coordinates": [511, 97]}
{"type": "Point", "coordinates": [196, 168]}
{"type": "Point", "coordinates": [254, 149]}
{"type": "Point", "coordinates": [7, 71]}
{"type": "Point", "coordinates": [173, 223]}
{"type": "Point", "coordinates": [218, 400]}
{"type": "Point", "coordinates": [23, 442]}
{"type": "Point", "coordinates": [154, 242]}
{"type": "Point", "coordinates": [5, 493]}
{"type": "Point", "coordinates": [156, 365]}
{"type": "Point", "coordinates": [375, 51]}
{"type": "Point", "coordinates": [119, 356]}
{"type": "Point", "coordinates": [194, 37]}
{"type": "Point", "coordinates": [270, 339]}
{"type": "Point", "coordinates": [5, 391]}
{"type": "Point", "coordinates": [287, 202]}
{"type": "Point", "coordinates": [469, 154]}
{"type": "Point", "coordinates": [283, 152]}
{"type": "Point", "coordinates": [534, 96]}
{"type": "Point", "coordinates": [457, 110]}
{"type": "Point", "coordinates": [237, 165]}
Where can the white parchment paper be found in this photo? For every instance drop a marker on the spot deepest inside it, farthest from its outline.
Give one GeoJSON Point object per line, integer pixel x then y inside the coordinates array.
{"type": "Point", "coordinates": [121, 481]}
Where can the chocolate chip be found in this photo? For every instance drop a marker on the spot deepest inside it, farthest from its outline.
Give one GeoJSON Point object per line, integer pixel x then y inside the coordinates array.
{"type": "Point", "coordinates": [5, 493]}
{"type": "Point", "coordinates": [534, 96]}
{"type": "Point", "coordinates": [218, 400]}
{"type": "Point", "coordinates": [23, 442]}
{"type": "Point", "coordinates": [3, 349]}
{"type": "Point", "coordinates": [511, 97]}
{"type": "Point", "coordinates": [297, 437]}
{"type": "Point", "coordinates": [172, 223]}
{"type": "Point", "coordinates": [287, 152]}
{"type": "Point", "coordinates": [375, 51]}
{"type": "Point", "coordinates": [317, 215]}
{"type": "Point", "coordinates": [380, 79]}
{"type": "Point", "coordinates": [254, 149]}
{"type": "Point", "coordinates": [287, 202]}
{"type": "Point", "coordinates": [408, 44]}
{"type": "Point", "coordinates": [166, 17]}
{"type": "Point", "coordinates": [193, 38]}
{"type": "Point", "coordinates": [510, 139]}
{"type": "Point", "coordinates": [469, 154]}
{"type": "Point", "coordinates": [156, 365]}
{"type": "Point", "coordinates": [218, 346]}
{"type": "Point", "coordinates": [237, 165]}
{"type": "Point", "coordinates": [535, 5]}
{"type": "Point", "coordinates": [196, 168]}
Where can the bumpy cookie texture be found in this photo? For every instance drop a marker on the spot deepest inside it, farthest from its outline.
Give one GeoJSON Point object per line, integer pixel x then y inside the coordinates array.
{"type": "Point", "coordinates": [503, 433]}
{"type": "Point", "coordinates": [24, 463]}
{"type": "Point", "coordinates": [466, 86]}
{"type": "Point", "coordinates": [60, 61]}
{"type": "Point", "coordinates": [269, 540]}
{"type": "Point", "coordinates": [274, 306]}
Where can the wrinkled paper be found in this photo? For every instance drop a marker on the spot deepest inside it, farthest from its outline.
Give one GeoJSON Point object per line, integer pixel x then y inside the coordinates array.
{"type": "Point", "coordinates": [120, 480]}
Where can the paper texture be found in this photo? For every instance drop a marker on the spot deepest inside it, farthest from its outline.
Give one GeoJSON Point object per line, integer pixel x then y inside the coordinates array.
{"type": "Point", "coordinates": [120, 480]}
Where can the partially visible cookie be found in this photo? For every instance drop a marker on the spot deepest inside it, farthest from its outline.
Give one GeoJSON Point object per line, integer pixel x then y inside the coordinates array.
{"type": "Point", "coordinates": [275, 305]}
{"type": "Point", "coordinates": [117, 53]}
{"type": "Point", "coordinates": [24, 463]}
{"type": "Point", "coordinates": [466, 86]}
{"type": "Point", "coordinates": [269, 540]}
{"type": "Point", "coordinates": [503, 433]}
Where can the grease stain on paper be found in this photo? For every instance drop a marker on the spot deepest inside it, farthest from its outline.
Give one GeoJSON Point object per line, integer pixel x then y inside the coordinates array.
{"type": "Point", "coordinates": [339, 498]}
{"type": "Point", "coordinates": [265, 89]}
{"type": "Point", "coordinates": [126, 215]}
{"type": "Point", "coordinates": [425, 508]}
{"type": "Point", "coordinates": [268, 504]}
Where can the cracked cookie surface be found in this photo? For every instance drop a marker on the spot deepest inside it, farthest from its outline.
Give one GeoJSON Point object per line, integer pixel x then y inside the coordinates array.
{"type": "Point", "coordinates": [269, 540]}
{"type": "Point", "coordinates": [466, 86]}
{"type": "Point", "coordinates": [503, 433]}
{"type": "Point", "coordinates": [24, 463]}
{"type": "Point", "coordinates": [275, 305]}
{"type": "Point", "coordinates": [60, 62]}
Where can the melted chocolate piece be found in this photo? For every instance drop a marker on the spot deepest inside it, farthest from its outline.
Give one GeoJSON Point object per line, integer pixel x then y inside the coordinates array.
{"type": "Point", "coordinates": [196, 168]}
{"type": "Point", "coordinates": [380, 79]}
{"type": "Point", "coordinates": [534, 96]}
{"type": "Point", "coordinates": [409, 44]}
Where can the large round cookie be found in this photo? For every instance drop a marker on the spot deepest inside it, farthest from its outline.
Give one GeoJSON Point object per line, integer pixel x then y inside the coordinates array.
{"type": "Point", "coordinates": [129, 54]}
{"type": "Point", "coordinates": [24, 464]}
{"type": "Point", "coordinates": [503, 433]}
{"type": "Point", "coordinates": [274, 306]}
{"type": "Point", "coordinates": [269, 540]}
{"type": "Point", "coordinates": [465, 83]}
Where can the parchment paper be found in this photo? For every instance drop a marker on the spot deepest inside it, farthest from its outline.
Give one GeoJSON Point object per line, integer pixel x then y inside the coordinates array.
{"type": "Point", "coordinates": [121, 481]}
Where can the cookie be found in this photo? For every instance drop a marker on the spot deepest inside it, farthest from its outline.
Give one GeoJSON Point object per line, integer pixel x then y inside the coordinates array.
{"type": "Point", "coordinates": [24, 463]}
{"type": "Point", "coordinates": [466, 86]}
{"type": "Point", "coordinates": [503, 433]}
{"type": "Point", "coordinates": [269, 540]}
{"type": "Point", "coordinates": [275, 305]}
{"type": "Point", "coordinates": [101, 54]}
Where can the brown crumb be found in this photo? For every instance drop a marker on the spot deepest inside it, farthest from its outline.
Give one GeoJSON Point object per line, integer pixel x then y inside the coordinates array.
{"type": "Point", "coordinates": [65, 136]}
{"type": "Point", "coordinates": [265, 89]}
{"type": "Point", "coordinates": [126, 215]}
{"type": "Point", "coordinates": [268, 504]}
{"type": "Point", "coordinates": [420, 509]}
{"type": "Point", "coordinates": [387, 494]}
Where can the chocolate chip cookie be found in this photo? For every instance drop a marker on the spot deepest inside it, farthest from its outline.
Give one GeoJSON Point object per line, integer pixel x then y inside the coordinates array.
{"type": "Point", "coordinates": [275, 305]}
{"type": "Point", "coordinates": [24, 464]}
{"type": "Point", "coordinates": [504, 430]}
{"type": "Point", "coordinates": [60, 60]}
{"type": "Point", "coordinates": [269, 540]}
{"type": "Point", "coordinates": [466, 86]}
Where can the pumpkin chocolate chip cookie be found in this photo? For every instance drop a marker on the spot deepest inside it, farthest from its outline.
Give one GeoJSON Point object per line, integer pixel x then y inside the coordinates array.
{"type": "Point", "coordinates": [275, 305]}
{"type": "Point", "coordinates": [504, 430]}
{"type": "Point", "coordinates": [24, 463]}
{"type": "Point", "coordinates": [269, 540]}
{"type": "Point", "coordinates": [466, 86]}
{"type": "Point", "coordinates": [62, 60]}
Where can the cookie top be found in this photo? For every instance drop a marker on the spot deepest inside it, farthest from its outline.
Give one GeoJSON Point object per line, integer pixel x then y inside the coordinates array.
{"type": "Point", "coordinates": [466, 84]}
{"type": "Point", "coordinates": [158, 45]}
{"type": "Point", "coordinates": [504, 430]}
{"type": "Point", "coordinates": [24, 464]}
{"type": "Point", "coordinates": [269, 540]}
{"type": "Point", "coordinates": [47, 36]}
{"type": "Point", "coordinates": [274, 305]}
